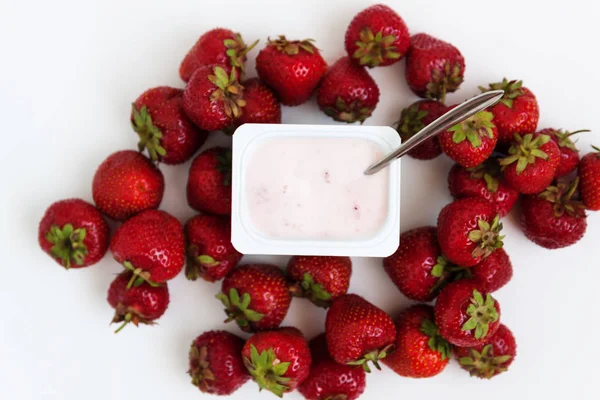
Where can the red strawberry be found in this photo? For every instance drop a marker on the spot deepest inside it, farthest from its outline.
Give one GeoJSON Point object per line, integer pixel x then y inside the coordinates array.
{"type": "Point", "coordinates": [320, 279]}
{"type": "Point", "coordinates": [255, 296]}
{"type": "Point", "coordinates": [262, 107]}
{"type": "Point", "coordinates": [492, 273]}
{"type": "Point", "coordinates": [517, 112]}
{"type": "Point", "coordinates": [347, 92]}
{"type": "Point", "coordinates": [127, 183]}
{"type": "Point", "coordinates": [554, 219]}
{"type": "Point", "coordinates": [213, 99]}
{"type": "Point", "coordinates": [209, 182]}
{"type": "Point", "coordinates": [485, 182]}
{"type": "Point", "coordinates": [164, 130]}
{"type": "Point", "coordinates": [210, 254]}
{"type": "Point", "coordinates": [465, 315]}
{"type": "Point", "coordinates": [329, 380]}
{"type": "Point", "coordinates": [217, 46]}
{"type": "Point", "coordinates": [469, 231]}
{"type": "Point", "coordinates": [358, 332]}
{"type": "Point", "coordinates": [490, 358]}
{"type": "Point", "coordinates": [277, 360]}
{"type": "Point", "coordinates": [293, 69]}
{"type": "Point", "coordinates": [531, 164]}
{"type": "Point", "coordinates": [472, 141]}
{"type": "Point", "coordinates": [73, 233]}
{"type": "Point", "coordinates": [140, 304]}
{"type": "Point", "coordinates": [589, 175]}
{"type": "Point", "coordinates": [420, 351]}
{"type": "Point", "coordinates": [216, 364]}
{"type": "Point", "coordinates": [151, 245]}
{"type": "Point", "coordinates": [569, 154]}
{"type": "Point", "coordinates": [433, 67]}
{"type": "Point", "coordinates": [418, 268]}
{"type": "Point", "coordinates": [377, 36]}
{"type": "Point", "coordinates": [414, 118]}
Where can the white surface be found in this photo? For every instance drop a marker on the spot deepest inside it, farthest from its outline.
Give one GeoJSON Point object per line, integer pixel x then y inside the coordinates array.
{"type": "Point", "coordinates": [70, 70]}
{"type": "Point", "coordinates": [250, 228]}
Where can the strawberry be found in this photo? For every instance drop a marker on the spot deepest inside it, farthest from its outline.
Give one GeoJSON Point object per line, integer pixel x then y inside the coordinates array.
{"type": "Point", "coordinates": [485, 182]}
{"type": "Point", "coordinates": [433, 67]}
{"type": "Point", "coordinates": [347, 92]}
{"type": "Point", "coordinates": [569, 154]}
{"type": "Point", "coordinates": [140, 304]}
{"type": "Point", "coordinates": [277, 360]}
{"type": "Point", "coordinates": [255, 296]}
{"type": "Point", "coordinates": [217, 46]}
{"type": "Point", "coordinates": [320, 279]}
{"type": "Point", "coordinates": [151, 245]}
{"type": "Point", "coordinates": [209, 182]}
{"type": "Point", "coordinates": [73, 233]}
{"type": "Point", "coordinates": [262, 107]}
{"type": "Point", "coordinates": [420, 351]}
{"type": "Point", "coordinates": [554, 219]}
{"type": "Point", "coordinates": [414, 118]}
{"type": "Point", "coordinates": [329, 380]}
{"type": "Point", "coordinates": [213, 99]}
{"type": "Point", "coordinates": [517, 111]}
{"type": "Point", "coordinates": [164, 130]}
{"type": "Point", "coordinates": [465, 315]}
{"type": "Point", "coordinates": [491, 274]}
{"type": "Point", "coordinates": [490, 358]}
{"type": "Point", "coordinates": [358, 332]}
{"type": "Point", "coordinates": [210, 254]}
{"type": "Point", "coordinates": [469, 231]}
{"type": "Point", "coordinates": [216, 364]}
{"type": "Point", "coordinates": [292, 68]}
{"type": "Point", "coordinates": [377, 36]}
{"type": "Point", "coordinates": [418, 268]}
{"type": "Point", "coordinates": [127, 183]}
{"type": "Point", "coordinates": [472, 141]}
{"type": "Point", "coordinates": [531, 164]}
{"type": "Point", "coordinates": [589, 175]}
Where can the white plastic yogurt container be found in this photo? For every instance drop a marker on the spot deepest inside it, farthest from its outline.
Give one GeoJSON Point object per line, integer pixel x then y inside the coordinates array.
{"type": "Point", "coordinates": [301, 190]}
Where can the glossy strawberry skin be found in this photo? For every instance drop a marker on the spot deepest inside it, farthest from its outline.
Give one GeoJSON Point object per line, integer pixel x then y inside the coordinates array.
{"type": "Point", "coordinates": [416, 117]}
{"type": "Point", "coordinates": [378, 18]}
{"type": "Point", "coordinates": [451, 314]}
{"type": "Point", "coordinates": [180, 138]}
{"type": "Point", "coordinates": [354, 327]}
{"type": "Point", "coordinates": [332, 273]}
{"type": "Point", "coordinates": [521, 118]}
{"type": "Point", "coordinates": [492, 273]}
{"type": "Point", "coordinates": [353, 86]}
{"type": "Point", "coordinates": [543, 227]}
{"type": "Point", "coordinates": [262, 107]}
{"type": "Point", "coordinates": [153, 242]}
{"type": "Point", "coordinates": [463, 183]}
{"type": "Point", "coordinates": [410, 267]}
{"type": "Point", "coordinates": [569, 157]}
{"type": "Point", "coordinates": [223, 358]}
{"type": "Point", "coordinates": [81, 215]}
{"type": "Point", "coordinates": [328, 379]}
{"type": "Point", "coordinates": [209, 182]}
{"type": "Point", "coordinates": [209, 236]}
{"type": "Point", "coordinates": [127, 183]}
{"type": "Point", "coordinates": [412, 356]}
{"type": "Point", "coordinates": [589, 175]}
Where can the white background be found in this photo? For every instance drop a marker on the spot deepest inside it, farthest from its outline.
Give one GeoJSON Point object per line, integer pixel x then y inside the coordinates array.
{"type": "Point", "coordinates": [68, 73]}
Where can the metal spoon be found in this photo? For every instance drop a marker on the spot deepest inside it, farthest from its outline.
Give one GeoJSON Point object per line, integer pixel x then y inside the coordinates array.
{"type": "Point", "coordinates": [456, 115]}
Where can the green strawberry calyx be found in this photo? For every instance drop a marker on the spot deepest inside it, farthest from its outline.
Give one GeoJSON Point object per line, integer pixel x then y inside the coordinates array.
{"type": "Point", "coordinates": [374, 48]}
{"type": "Point", "coordinates": [484, 364]}
{"type": "Point", "coordinates": [564, 138]}
{"type": "Point", "coordinates": [411, 121]}
{"type": "Point", "coordinates": [237, 309]}
{"type": "Point", "coordinates": [268, 371]}
{"type": "Point", "coordinates": [128, 315]}
{"type": "Point", "coordinates": [436, 342]}
{"type": "Point", "coordinates": [312, 290]}
{"type": "Point", "coordinates": [474, 129]}
{"type": "Point", "coordinates": [237, 51]}
{"type": "Point", "coordinates": [350, 113]}
{"type": "Point", "coordinates": [512, 90]}
{"type": "Point", "coordinates": [198, 264]}
{"type": "Point", "coordinates": [150, 135]}
{"type": "Point", "coordinates": [139, 276]}
{"type": "Point", "coordinates": [228, 90]}
{"type": "Point", "coordinates": [440, 270]}
{"type": "Point", "coordinates": [525, 150]}
{"type": "Point", "coordinates": [292, 47]}
{"type": "Point", "coordinates": [489, 171]}
{"type": "Point", "coordinates": [67, 244]}
{"type": "Point", "coordinates": [482, 312]}
{"type": "Point", "coordinates": [374, 356]}
{"type": "Point", "coordinates": [224, 165]}
{"type": "Point", "coordinates": [561, 196]}
{"type": "Point", "coordinates": [487, 237]}
{"type": "Point", "coordinates": [444, 80]}
{"type": "Point", "coordinates": [202, 375]}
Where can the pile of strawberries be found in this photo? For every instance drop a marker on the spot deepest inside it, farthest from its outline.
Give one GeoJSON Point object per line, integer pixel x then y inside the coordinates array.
{"type": "Point", "coordinates": [499, 158]}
